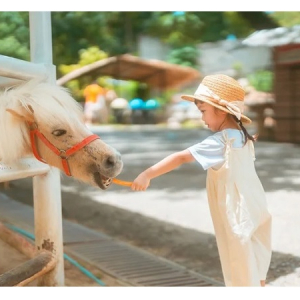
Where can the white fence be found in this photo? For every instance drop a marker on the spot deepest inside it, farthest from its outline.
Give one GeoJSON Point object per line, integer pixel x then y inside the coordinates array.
{"type": "Point", "coordinates": [46, 180]}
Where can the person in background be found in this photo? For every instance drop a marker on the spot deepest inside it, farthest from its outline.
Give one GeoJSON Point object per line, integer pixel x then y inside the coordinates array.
{"type": "Point", "coordinates": [110, 96]}
{"type": "Point", "coordinates": [94, 100]}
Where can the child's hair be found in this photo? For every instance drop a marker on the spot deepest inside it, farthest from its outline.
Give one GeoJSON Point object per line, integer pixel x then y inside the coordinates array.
{"type": "Point", "coordinates": [248, 136]}
{"type": "Point", "coordinates": [253, 138]}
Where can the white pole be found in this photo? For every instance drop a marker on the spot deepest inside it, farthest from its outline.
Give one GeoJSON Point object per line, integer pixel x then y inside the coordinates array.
{"type": "Point", "coordinates": [46, 188]}
{"type": "Point", "coordinates": [20, 69]}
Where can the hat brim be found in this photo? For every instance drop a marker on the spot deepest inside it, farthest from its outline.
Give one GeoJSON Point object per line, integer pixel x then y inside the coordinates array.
{"type": "Point", "coordinates": [192, 98]}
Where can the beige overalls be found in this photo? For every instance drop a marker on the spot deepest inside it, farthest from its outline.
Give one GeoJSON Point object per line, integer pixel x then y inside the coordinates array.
{"type": "Point", "coordinates": [241, 220]}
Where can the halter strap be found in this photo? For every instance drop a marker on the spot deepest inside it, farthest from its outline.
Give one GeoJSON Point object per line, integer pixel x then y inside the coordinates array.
{"type": "Point", "coordinates": [63, 154]}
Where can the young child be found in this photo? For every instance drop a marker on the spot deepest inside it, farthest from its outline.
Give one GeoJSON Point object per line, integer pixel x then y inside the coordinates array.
{"type": "Point", "coordinates": [236, 197]}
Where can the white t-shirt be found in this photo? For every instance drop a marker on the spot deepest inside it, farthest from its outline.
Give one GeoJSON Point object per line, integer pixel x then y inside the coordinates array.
{"type": "Point", "coordinates": [210, 153]}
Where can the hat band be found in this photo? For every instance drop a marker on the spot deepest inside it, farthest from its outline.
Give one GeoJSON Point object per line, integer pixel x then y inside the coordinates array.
{"type": "Point", "coordinates": [235, 107]}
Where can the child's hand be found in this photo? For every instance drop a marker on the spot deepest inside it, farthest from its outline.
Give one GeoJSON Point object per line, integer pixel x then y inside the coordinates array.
{"type": "Point", "coordinates": [141, 183]}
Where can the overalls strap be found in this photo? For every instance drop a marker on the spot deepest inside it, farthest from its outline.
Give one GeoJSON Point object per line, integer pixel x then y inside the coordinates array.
{"type": "Point", "coordinates": [228, 146]}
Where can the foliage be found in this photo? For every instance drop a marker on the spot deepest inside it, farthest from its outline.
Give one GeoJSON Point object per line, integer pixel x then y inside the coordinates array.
{"type": "Point", "coordinates": [165, 97]}
{"type": "Point", "coordinates": [127, 89]}
{"type": "Point", "coordinates": [214, 26]}
{"type": "Point", "coordinates": [258, 20]}
{"type": "Point", "coordinates": [186, 56]}
{"type": "Point", "coordinates": [262, 80]}
{"type": "Point", "coordinates": [183, 31]}
{"type": "Point", "coordinates": [114, 32]}
{"type": "Point", "coordinates": [76, 90]}
{"type": "Point", "coordinates": [176, 29]}
{"type": "Point", "coordinates": [72, 32]}
{"type": "Point", "coordinates": [118, 32]}
{"type": "Point", "coordinates": [86, 57]}
{"type": "Point", "coordinates": [286, 18]}
{"type": "Point", "coordinates": [14, 34]}
{"type": "Point", "coordinates": [82, 37]}
{"type": "Point", "coordinates": [238, 67]}
{"type": "Point", "coordinates": [236, 24]}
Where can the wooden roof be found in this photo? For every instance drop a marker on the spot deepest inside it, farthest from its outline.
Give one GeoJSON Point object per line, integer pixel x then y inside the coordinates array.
{"type": "Point", "coordinates": [156, 73]}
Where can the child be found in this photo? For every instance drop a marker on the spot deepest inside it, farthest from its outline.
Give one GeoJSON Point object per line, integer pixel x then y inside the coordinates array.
{"type": "Point", "coordinates": [236, 197]}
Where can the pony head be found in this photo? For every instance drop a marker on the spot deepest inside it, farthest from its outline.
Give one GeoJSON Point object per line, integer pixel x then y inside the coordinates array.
{"type": "Point", "coordinates": [59, 119]}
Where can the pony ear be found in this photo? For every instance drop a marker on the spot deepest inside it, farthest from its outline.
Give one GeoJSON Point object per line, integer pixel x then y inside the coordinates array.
{"type": "Point", "coordinates": [21, 112]}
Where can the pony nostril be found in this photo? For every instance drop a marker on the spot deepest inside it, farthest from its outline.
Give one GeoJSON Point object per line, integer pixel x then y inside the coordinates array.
{"type": "Point", "coordinates": [111, 161]}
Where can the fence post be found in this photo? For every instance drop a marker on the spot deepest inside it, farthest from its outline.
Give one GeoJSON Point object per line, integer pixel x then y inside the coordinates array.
{"type": "Point", "coordinates": [46, 188]}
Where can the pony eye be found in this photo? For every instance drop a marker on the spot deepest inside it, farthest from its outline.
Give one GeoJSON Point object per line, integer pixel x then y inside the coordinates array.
{"type": "Point", "coordinates": [59, 132]}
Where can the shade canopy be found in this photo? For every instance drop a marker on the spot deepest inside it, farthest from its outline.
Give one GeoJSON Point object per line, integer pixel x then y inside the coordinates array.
{"type": "Point", "coordinates": [155, 73]}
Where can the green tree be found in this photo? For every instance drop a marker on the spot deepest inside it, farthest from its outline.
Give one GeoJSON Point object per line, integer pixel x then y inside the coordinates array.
{"type": "Point", "coordinates": [113, 32]}
{"type": "Point", "coordinates": [118, 32]}
{"type": "Point", "coordinates": [258, 19]}
{"type": "Point", "coordinates": [86, 57]}
{"type": "Point", "coordinates": [185, 56]}
{"type": "Point", "coordinates": [214, 26]}
{"type": "Point", "coordinates": [176, 28]}
{"type": "Point", "coordinates": [235, 24]}
{"type": "Point", "coordinates": [182, 31]}
{"type": "Point", "coordinates": [262, 80]}
{"type": "Point", "coordinates": [14, 34]}
{"type": "Point", "coordinates": [286, 18]}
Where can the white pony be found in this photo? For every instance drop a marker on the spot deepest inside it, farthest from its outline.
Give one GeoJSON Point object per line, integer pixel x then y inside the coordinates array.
{"type": "Point", "coordinates": [44, 119]}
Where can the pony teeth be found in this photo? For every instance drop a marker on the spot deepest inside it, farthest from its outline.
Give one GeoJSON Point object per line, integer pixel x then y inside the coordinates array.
{"type": "Point", "coordinates": [107, 182]}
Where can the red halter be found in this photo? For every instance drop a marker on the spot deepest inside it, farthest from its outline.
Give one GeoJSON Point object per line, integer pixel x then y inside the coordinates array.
{"type": "Point", "coordinates": [63, 154]}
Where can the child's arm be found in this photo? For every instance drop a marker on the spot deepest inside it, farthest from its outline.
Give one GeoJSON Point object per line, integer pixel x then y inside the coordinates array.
{"type": "Point", "coordinates": [166, 165]}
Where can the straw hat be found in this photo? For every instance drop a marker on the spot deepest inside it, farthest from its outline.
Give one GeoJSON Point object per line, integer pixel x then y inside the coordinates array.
{"type": "Point", "coordinates": [222, 92]}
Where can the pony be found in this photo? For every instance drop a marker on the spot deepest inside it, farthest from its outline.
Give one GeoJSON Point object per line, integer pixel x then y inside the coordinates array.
{"type": "Point", "coordinates": [43, 119]}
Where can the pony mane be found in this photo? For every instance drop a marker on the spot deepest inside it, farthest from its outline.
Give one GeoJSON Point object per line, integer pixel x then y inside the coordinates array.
{"type": "Point", "coordinates": [49, 102]}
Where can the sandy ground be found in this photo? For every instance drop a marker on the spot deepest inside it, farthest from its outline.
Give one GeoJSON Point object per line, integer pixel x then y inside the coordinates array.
{"type": "Point", "coordinates": [172, 218]}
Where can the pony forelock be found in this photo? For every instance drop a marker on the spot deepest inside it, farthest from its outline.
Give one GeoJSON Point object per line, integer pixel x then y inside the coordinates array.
{"type": "Point", "coordinates": [50, 103]}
